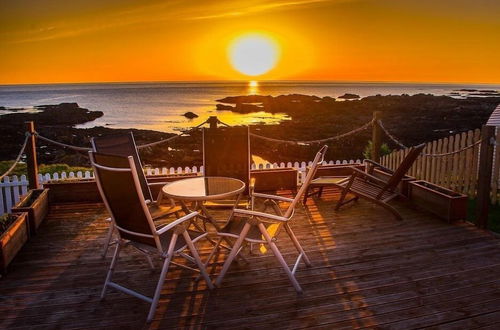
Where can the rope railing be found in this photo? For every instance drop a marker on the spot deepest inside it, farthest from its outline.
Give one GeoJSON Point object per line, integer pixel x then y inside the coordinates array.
{"type": "Point", "coordinates": [85, 149]}
{"type": "Point", "coordinates": [18, 158]}
{"type": "Point", "coordinates": [152, 144]}
{"type": "Point", "coordinates": [399, 143]}
{"type": "Point", "coordinates": [307, 142]}
{"type": "Point", "coordinates": [61, 144]}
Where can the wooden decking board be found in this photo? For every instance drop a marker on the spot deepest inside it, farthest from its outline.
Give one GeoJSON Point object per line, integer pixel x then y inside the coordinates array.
{"type": "Point", "coordinates": [368, 270]}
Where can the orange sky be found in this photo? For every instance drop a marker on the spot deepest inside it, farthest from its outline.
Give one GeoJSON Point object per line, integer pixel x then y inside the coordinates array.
{"type": "Point", "coordinates": [342, 40]}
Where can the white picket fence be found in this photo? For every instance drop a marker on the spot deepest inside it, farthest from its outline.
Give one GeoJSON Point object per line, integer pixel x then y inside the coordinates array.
{"type": "Point", "coordinates": [13, 187]}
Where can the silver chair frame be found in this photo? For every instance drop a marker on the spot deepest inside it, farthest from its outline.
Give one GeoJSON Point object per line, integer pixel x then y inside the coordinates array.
{"type": "Point", "coordinates": [179, 227]}
{"type": "Point", "coordinates": [145, 190]}
{"type": "Point", "coordinates": [256, 218]}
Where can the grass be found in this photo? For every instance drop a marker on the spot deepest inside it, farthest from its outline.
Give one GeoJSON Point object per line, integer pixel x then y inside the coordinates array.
{"type": "Point", "coordinates": [20, 169]}
{"type": "Point", "coordinates": [493, 215]}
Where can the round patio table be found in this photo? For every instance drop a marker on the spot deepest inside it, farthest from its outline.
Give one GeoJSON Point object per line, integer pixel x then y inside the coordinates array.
{"type": "Point", "coordinates": [203, 189]}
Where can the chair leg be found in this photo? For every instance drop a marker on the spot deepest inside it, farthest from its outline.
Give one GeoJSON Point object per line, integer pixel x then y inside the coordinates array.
{"type": "Point", "coordinates": [320, 192]}
{"type": "Point", "coordinates": [391, 209]}
{"type": "Point", "coordinates": [111, 269]}
{"type": "Point", "coordinates": [109, 235]}
{"type": "Point", "coordinates": [196, 257]}
{"type": "Point", "coordinates": [306, 195]}
{"type": "Point", "coordinates": [341, 200]}
{"type": "Point", "coordinates": [280, 258]}
{"type": "Point", "coordinates": [297, 245]}
{"type": "Point", "coordinates": [235, 249]}
{"type": "Point", "coordinates": [161, 280]}
{"type": "Point", "coordinates": [214, 250]}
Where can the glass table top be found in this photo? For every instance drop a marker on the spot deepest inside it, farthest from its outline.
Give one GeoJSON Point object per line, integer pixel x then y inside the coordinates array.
{"type": "Point", "coordinates": [204, 188]}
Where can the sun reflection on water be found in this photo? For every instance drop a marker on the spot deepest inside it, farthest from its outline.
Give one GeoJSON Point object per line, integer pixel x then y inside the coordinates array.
{"type": "Point", "coordinates": [253, 87]}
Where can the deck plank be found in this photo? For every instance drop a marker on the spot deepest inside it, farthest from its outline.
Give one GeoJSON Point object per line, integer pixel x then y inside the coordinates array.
{"type": "Point", "coordinates": [368, 271]}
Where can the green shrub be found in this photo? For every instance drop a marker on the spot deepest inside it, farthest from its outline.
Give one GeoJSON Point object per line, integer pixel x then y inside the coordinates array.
{"type": "Point", "coordinates": [384, 150]}
{"type": "Point", "coordinates": [20, 169]}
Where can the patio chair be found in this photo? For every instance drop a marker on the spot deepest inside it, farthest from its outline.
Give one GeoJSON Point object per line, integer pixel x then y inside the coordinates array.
{"type": "Point", "coordinates": [124, 145]}
{"type": "Point", "coordinates": [120, 189]}
{"type": "Point", "coordinates": [256, 227]}
{"type": "Point", "coordinates": [365, 185]}
{"type": "Point", "coordinates": [226, 153]}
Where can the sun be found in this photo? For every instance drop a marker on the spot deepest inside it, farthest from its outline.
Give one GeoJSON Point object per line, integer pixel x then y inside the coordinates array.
{"type": "Point", "coordinates": [253, 54]}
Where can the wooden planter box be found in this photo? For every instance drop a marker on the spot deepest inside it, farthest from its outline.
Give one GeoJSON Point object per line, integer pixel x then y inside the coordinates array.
{"type": "Point", "coordinates": [13, 239]}
{"type": "Point", "coordinates": [73, 191]}
{"type": "Point", "coordinates": [275, 179]}
{"type": "Point", "coordinates": [339, 170]}
{"type": "Point", "coordinates": [444, 203]}
{"type": "Point", "coordinates": [403, 186]}
{"type": "Point", "coordinates": [36, 204]}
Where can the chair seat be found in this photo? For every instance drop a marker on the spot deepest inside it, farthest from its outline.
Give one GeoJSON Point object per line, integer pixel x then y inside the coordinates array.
{"type": "Point", "coordinates": [166, 238]}
{"type": "Point", "coordinates": [234, 227]}
{"type": "Point", "coordinates": [162, 210]}
{"type": "Point", "coordinates": [325, 181]}
{"type": "Point", "coordinates": [368, 189]}
{"type": "Point", "coordinates": [226, 203]}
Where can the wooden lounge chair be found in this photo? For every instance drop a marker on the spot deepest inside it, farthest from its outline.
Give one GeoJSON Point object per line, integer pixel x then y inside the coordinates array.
{"type": "Point", "coordinates": [124, 145]}
{"type": "Point", "coordinates": [120, 189]}
{"type": "Point", "coordinates": [255, 227]}
{"type": "Point", "coordinates": [365, 185]}
{"type": "Point", "coordinates": [226, 153]}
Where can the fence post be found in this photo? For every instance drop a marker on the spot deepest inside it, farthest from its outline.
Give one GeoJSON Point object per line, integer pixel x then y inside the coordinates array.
{"type": "Point", "coordinates": [484, 175]}
{"type": "Point", "coordinates": [376, 137]}
{"type": "Point", "coordinates": [32, 164]}
{"type": "Point", "coordinates": [212, 120]}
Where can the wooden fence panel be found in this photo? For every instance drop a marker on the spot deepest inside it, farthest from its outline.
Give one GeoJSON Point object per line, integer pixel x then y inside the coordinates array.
{"type": "Point", "coordinates": [457, 171]}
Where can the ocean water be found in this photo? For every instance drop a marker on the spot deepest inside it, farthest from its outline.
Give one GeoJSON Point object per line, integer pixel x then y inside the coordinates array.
{"type": "Point", "coordinates": [160, 106]}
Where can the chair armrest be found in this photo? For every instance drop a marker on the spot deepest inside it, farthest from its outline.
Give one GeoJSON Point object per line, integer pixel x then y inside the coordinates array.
{"type": "Point", "coordinates": [260, 215]}
{"type": "Point", "coordinates": [157, 183]}
{"type": "Point", "coordinates": [366, 175]}
{"type": "Point", "coordinates": [375, 164]}
{"type": "Point", "coordinates": [274, 197]}
{"type": "Point", "coordinates": [177, 222]}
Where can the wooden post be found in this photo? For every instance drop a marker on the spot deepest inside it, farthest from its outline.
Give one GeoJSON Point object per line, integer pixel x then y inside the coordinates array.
{"type": "Point", "coordinates": [484, 175]}
{"type": "Point", "coordinates": [32, 164]}
{"type": "Point", "coordinates": [376, 137]}
{"type": "Point", "coordinates": [212, 120]}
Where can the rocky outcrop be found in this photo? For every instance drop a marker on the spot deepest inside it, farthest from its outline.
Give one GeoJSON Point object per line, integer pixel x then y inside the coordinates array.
{"type": "Point", "coordinates": [348, 96]}
{"type": "Point", "coordinates": [190, 115]}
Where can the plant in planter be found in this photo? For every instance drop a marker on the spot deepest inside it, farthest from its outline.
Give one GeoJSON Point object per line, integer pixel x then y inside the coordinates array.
{"type": "Point", "coordinates": [13, 235]}
{"type": "Point", "coordinates": [36, 203]}
{"type": "Point", "coordinates": [444, 203]}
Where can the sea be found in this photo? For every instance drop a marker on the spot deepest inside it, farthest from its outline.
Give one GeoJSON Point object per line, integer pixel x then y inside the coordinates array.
{"type": "Point", "coordinates": [161, 106]}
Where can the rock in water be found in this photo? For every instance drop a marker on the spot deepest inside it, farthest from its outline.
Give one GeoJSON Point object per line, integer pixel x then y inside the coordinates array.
{"type": "Point", "coordinates": [348, 96]}
{"type": "Point", "coordinates": [190, 115]}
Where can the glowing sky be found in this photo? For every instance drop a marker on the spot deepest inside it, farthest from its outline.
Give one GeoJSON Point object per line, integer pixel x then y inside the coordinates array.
{"type": "Point", "coordinates": [342, 40]}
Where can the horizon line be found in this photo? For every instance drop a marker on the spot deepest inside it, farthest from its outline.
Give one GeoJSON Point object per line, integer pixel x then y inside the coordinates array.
{"type": "Point", "coordinates": [221, 81]}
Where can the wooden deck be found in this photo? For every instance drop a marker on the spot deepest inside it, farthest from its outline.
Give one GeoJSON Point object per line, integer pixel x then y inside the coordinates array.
{"type": "Point", "coordinates": [368, 271]}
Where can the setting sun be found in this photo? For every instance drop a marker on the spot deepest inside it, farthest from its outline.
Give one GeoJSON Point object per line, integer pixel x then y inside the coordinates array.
{"type": "Point", "coordinates": [253, 54]}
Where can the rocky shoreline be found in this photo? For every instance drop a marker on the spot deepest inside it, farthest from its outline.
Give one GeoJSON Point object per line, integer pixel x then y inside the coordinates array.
{"type": "Point", "coordinates": [414, 119]}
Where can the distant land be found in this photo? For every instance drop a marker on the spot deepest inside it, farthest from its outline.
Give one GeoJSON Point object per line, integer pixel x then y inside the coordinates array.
{"type": "Point", "coordinates": [414, 119]}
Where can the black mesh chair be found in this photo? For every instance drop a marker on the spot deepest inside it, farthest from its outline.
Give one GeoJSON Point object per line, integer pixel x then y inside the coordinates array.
{"type": "Point", "coordinates": [119, 184]}
{"type": "Point", "coordinates": [124, 145]}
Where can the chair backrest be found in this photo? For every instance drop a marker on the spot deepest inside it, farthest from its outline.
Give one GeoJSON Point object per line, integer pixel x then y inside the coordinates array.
{"type": "Point", "coordinates": [123, 145]}
{"type": "Point", "coordinates": [318, 159]}
{"type": "Point", "coordinates": [226, 152]}
{"type": "Point", "coordinates": [120, 190]}
{"type": "Point", "coordinates": [405, 165]}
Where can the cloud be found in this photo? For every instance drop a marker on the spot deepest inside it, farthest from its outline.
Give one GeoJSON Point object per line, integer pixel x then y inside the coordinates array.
{"type": "Point", "coordinates": [263, 7]}
{"type": "Point", "coordinates": [151, 13]}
